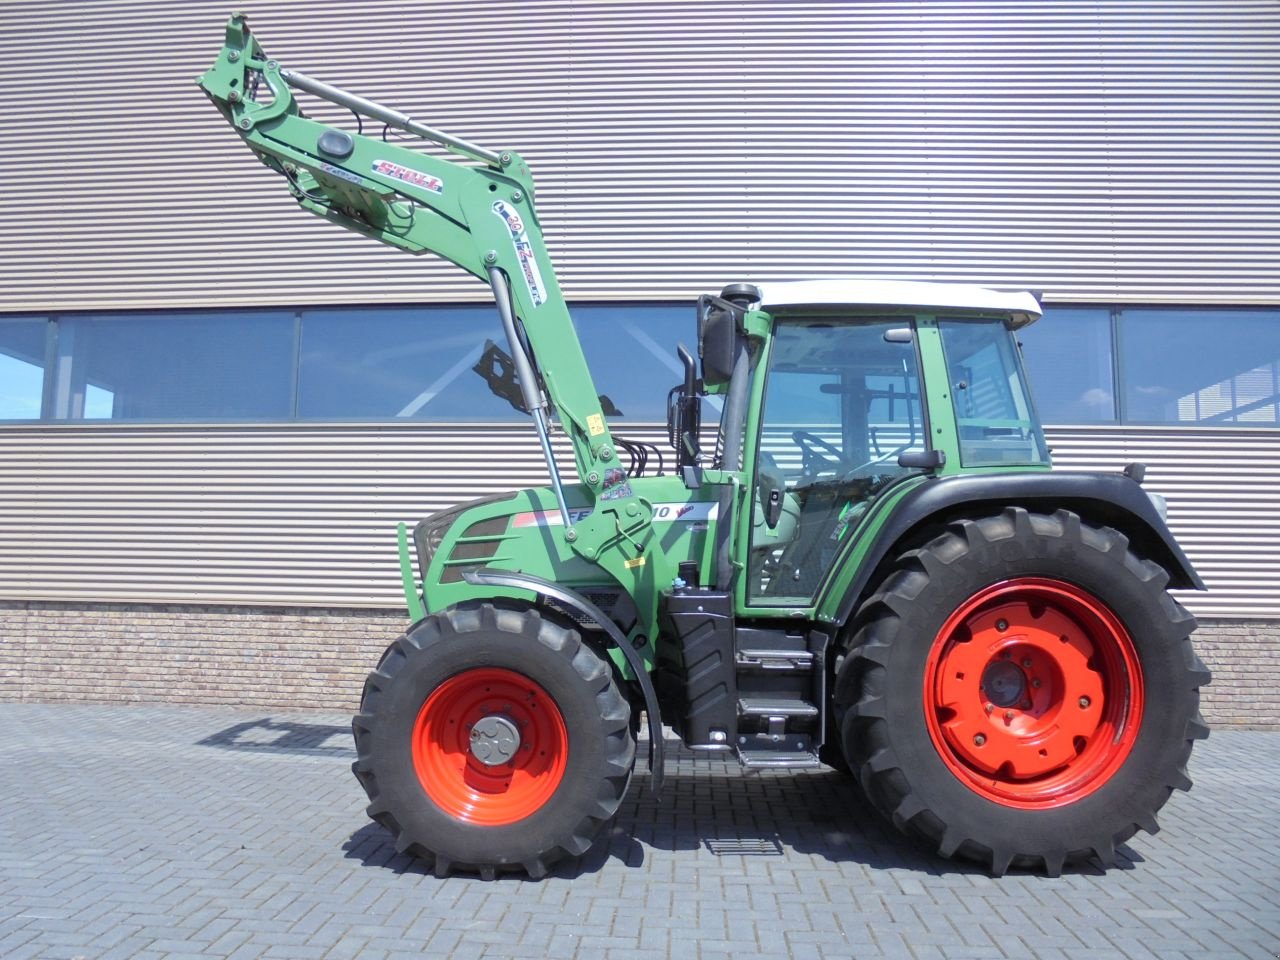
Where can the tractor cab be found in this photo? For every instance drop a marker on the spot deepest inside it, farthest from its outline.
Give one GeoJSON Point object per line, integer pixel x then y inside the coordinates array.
{"type": "Point", "coordinates": [849, 388]}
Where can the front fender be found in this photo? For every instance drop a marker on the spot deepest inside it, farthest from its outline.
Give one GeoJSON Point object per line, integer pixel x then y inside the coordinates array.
{"type": "Point", "coordinates": [546, 589]}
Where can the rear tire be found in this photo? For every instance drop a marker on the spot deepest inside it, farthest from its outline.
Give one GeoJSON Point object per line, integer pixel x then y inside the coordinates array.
{"type": "Point", "coordinates": [491, 738]}
{"type": "Point", "coordinates": [1021, 691]}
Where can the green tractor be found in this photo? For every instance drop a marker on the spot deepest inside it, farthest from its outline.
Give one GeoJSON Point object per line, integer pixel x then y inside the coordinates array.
{"type": "Point", "coordinates": [867, 562]}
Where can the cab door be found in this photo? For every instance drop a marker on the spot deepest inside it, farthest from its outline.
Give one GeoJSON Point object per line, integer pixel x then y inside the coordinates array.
{"type": "Point", "coordinates": [840, 403]}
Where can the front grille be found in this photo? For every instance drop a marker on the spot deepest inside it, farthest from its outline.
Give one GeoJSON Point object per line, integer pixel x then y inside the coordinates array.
{"type": "Point", "coordinates": [467, 548]}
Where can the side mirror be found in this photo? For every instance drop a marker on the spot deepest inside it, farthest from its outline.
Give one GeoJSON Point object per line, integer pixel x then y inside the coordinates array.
{"type": "Point", "coordinates": [720, 333]}
{"type": "Point", "coordinates": [922, 459]}
{"type": "Point", "coordinates": [684, 413]}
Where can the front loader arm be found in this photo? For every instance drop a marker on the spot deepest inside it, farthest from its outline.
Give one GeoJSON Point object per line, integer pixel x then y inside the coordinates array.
{"type": "Point", "coordinates": [481, 218]}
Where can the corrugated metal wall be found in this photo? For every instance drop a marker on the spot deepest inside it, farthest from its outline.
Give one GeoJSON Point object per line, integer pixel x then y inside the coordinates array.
{"type": "Point", "coordinates": [1094, 150]}
{"type": "Point", "coordinates": [306, 514]}
{"type": "Point", "coordinates": [1223, 487]}
{"type": "Point", "coordinates": [1099, 151]}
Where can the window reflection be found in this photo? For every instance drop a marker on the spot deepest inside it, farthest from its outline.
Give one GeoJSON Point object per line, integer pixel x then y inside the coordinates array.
{"type": "Point", "coordinates": [1216, 367]}
{"type": "Point", "coordinates": [397, 363]}
{"type": "Point", "coordinates": [207, 366]}
{"type": "Point", "coordinates": [631, 351]}
{"type": "Point", "coordinates": [1068, 357]}
{"type": "Point", "coordinates": [22, 352]}
{"type": "Point", "coordinates": [1211, 366]}
{"type": "Point", "coordinates": [416, 363]}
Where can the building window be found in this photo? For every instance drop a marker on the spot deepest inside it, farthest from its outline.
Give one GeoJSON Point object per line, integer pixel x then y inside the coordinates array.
{"type": "Point", "coordinates": [418, 363]}
{"type": "Point", "coordinates": [631, 351]}
{"type": "Point", "coordinates": [1211, 367]}
{"type": "Point", "coordinates": [390, 364]}
{"type": "Point", "coordinates": [1069, 363]}
{"type": "Point", "coordinates": [206, 366]}
{"type": "Point", "coordinates": [22, 368]}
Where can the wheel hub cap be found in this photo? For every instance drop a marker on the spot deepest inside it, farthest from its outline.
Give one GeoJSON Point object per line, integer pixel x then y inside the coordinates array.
{"type": "Point", "coordinates": [494, 740]}
{"type": "Point", "coordinates": [1004, 683]}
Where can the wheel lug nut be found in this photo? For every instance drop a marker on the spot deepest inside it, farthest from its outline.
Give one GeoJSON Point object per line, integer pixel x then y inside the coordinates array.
{"type": "Point", "coordinates": [979, 740]}
{"type": "Point", "coordinates": [1008, 714]}
{"type": "Point", "coordinates": [990, 707]}
{"type": "Point", "coordinates": [1026, 662]}
{"type": "Point", "coordinates": [1036, 684]}
{"type": "Point", "coordinates": [1084, 703]}
{"type": "Point", "coordinates": [1002, 625]}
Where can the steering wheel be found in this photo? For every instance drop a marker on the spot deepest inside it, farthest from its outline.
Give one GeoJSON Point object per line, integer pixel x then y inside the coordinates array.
{"type": "Point", "coordinates": [817, 455]}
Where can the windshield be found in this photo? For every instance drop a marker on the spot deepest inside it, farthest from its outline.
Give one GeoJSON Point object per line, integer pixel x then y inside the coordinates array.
{"type": "Point", "coordinates": [995, 420]}
{"type": "Point", "coordinates": [842, 401]}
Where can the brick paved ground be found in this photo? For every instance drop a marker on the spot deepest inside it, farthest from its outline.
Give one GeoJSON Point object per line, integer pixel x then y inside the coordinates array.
{"type": "Point", "coordinates": [154, 832]}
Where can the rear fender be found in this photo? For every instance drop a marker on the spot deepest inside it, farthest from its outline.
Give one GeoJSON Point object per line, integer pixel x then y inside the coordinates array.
{"type": "Point", "coordinates": [1111, 499]}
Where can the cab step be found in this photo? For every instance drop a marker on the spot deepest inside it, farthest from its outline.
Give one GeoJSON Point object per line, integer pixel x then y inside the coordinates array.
{"type": "Point", "coordinates": [778, 759]}
{"type": "Point", "coordinates": [775, 707]}
{"type": "Point", "coordinates": [764, 751]}
{"type": "Point", "coordinates": [767, 659]}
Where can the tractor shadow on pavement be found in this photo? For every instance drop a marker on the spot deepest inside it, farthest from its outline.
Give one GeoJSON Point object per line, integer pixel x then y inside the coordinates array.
{"type": "Point", "coordinates": [268, 735]}
{"type": "Point", "coordinates": [717, 814]}
{"type": "Point", "coordinates": [721, 814]}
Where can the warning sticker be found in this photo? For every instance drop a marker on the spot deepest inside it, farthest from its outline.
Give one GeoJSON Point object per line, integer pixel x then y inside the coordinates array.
{"type": "Point", "coordinates": [595, 423]}
{"type": "Point", "coordinates": [615, 485]}
{"type": "Point", "coordinates": [524, 251]}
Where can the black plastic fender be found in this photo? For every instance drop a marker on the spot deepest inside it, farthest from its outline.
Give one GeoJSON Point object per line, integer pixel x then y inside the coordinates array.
{"type": "Point", "coordinates": [1110, 498]}
{"type": "Point", "coordinates": [547, 588]}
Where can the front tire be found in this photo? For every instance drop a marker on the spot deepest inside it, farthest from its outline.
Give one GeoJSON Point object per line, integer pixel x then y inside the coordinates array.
{"type": "Point", "coordinates": [491, 738]}
{"type": "Point", "coordinates": [1021, 690]}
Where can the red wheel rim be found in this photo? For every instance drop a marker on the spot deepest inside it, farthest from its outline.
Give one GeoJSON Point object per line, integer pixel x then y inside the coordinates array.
{"type": "Point", "coordinates": [1033, 693]}
{"type": "Point", "coordinates": [457, 780]}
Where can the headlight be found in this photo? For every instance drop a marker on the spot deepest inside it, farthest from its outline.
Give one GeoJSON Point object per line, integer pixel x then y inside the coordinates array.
{"type": "Point", "coordinates": [435, 537]}
{"type": "Point", "coordinates": [429, 534]}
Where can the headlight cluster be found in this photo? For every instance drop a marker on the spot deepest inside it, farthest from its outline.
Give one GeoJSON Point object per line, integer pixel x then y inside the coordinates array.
{"type": "Point", "coordinates": [429, 534]}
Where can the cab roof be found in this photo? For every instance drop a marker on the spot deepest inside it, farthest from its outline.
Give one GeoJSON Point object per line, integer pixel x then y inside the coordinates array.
{"type": "Point", "coordinates": [792, 296]}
